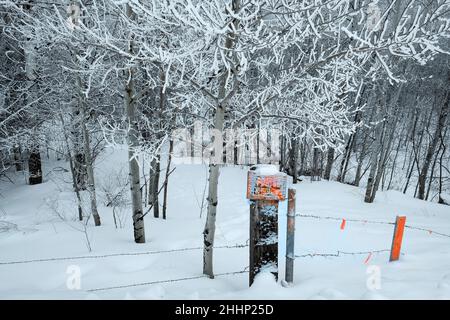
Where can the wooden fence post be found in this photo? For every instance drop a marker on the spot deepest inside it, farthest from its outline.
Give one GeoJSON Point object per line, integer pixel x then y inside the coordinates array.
{"type": "Point", "coordinates": [265, 192]}
{"type": "Point", "coordinates": [397, 238]}
{"type": "Point", "coordinates": [290, 237]}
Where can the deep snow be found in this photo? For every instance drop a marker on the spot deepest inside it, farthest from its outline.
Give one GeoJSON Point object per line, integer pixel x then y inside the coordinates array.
{"type": "Point", "coordinates": [423, 271]}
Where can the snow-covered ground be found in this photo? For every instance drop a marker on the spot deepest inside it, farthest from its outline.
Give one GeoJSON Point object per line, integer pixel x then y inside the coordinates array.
{"type": "Point", "coordinates": [423, 271]}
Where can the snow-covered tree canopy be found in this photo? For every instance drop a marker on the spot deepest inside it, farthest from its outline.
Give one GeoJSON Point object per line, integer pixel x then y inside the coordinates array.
{"type": "Point", "coordinates": [297, 62]}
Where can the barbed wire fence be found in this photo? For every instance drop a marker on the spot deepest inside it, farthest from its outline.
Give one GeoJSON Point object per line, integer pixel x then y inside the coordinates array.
{"type": "Point", "coordinates": [341, 253]}
{"type": "Point", "coordinates": [369, 254]}
{"type": "Point", "coordinates": [337, 254]}
{"type": "Point", "coordinates": [365, 221]}
{"type": "Point", "coordinates": [236, 246]}
{"type": "Point", "coordinates": [428, 230]}
{"type": "Point", "coordinates": [167, 281]}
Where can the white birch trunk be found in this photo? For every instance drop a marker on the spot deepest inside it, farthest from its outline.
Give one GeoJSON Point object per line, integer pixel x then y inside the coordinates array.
{"type": "Point", "coordinates": [133, 142]}
{"type": "Point", "coordinates": [88, 156]}
{"type": "Point", "coordinates": [214, 169]}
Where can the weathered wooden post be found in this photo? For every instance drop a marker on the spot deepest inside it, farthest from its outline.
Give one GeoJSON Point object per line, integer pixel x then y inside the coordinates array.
{"type": "Point", "coordinates": [290, 237]}
{"type": "Point", "coordinates": [397, 238]}
{"type": "Point", "coordinates": [266, 186]}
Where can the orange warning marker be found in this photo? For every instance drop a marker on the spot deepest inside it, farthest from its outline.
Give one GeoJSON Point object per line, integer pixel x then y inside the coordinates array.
{"type": "Point", "coordinates": [398, 238]}
{"type": "Point", "coordinates": [368, 258]}
{"type": "Point", "coordinates": [343, 224]}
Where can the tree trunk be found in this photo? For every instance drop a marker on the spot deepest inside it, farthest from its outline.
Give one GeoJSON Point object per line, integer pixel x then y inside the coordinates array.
{"type": "Point", "coordinates": [88, 157]}
{"type": "Point", "coordinates": [330, 160]}
{"type": "Point", "coordinates": [387, 145]}
{"type": "Point", "coordinates": [155, 170]}
{"type": "Point", "coordinates": [345, 157]}
{"type": "Point", "coordinates": [133, 142]}
{"type": "Point", "coordinates": [418, 147]}
{"type": "Point", "coordinates": [358, 175]}
{"type": "Point", "coordinates": [294, 160]}
{"type": "Point", "coordinates": [348, 151]}
{"type": "Point", "coordinates": [78, 159]}
{"type": "Point", "coordinates": [432, 147]}
{"type": "Point", "coordinates": [153, 197]}
{"type": "Point", "coordinates": [444, 149]}
{"type": "Point", "coordinates": [303, 155]}
{"type": "Point", "coordinates": [258, 160]}
{"type": "Point", "coordinates": [166, 180]}
{"type": "Point", "coordinates": [394, 165]}
{"type": "Point", "coordinates": [315, 165]}
{"type": "Point", "coordinates": [374, 160]}
{"type": "Point", "coordinates": [412, 157]}
{"type": "Point", "coordinates": [409, 175]}
{"type": "Point", "coordinates": [34, 166]}
{"type": "Point", "coordinates": [18, 162]}
{"type": "Point", "coordinates": [370, 181]}
{"type": "Point", "coordinates": [72, 171]}
{"type": "Point", "coordinates": [362, 155]}
{"type": "Point", "coordinates": [34, 161]}
{"type": "Point", "coordinates": [78, 154]}
{"type": "Point", "coordinates": [282, 151]}
{"type": "Point", "coordinates": [210, 226]}
{"type": "Point", "coordinates": [380, 167]}
{"type": "Point", "coordinates": [433, 167]}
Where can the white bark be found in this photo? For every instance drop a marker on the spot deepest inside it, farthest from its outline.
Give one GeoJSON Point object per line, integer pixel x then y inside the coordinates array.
{"type": "Point", "coordinates": [133, 142]}
{"type": "Point", "coordinates": [214, 169]}
{"type": "Point", "coordinates": [88, 156]}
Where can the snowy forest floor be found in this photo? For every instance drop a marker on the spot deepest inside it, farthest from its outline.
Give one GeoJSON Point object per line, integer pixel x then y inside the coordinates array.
{"type": "Point", "coordinates": [42, 224]}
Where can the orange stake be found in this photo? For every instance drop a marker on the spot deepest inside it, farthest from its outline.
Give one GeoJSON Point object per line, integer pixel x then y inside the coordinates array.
{"type": "Point", "coordinates": [398, 238]}
{"type": "Point", "coordinates": [343, 224]}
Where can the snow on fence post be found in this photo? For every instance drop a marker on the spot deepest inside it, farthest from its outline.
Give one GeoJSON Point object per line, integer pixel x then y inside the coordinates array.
{"type": "Point", "coordinates": [290, 237]}
{"type": "Point", "coordinates": [266, 186]}
{"type": "Point", "coordinates": [397, 238]}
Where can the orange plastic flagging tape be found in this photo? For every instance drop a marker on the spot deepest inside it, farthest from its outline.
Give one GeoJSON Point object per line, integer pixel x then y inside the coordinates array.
{"type": "Point", "coordinates": [368, 258]}
{"type": "Point", "coordinates": [343, 224]}
{"type": "Point", "coordinates": [398, 238]}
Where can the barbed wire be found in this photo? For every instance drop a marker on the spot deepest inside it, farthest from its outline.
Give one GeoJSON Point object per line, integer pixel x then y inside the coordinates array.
{"type": "Point", "coordinates": [339, 253]}
{"type": "Point", "coordinates": [428, 230]}
{"type": "Point", "coordinates": [364, 221]}
{"type": "Point", "coordinates": [120, 254]}
{"type": "Point", "coordinates": [166, 281]}
{"type": "Point", "coordinates": [340, 219]}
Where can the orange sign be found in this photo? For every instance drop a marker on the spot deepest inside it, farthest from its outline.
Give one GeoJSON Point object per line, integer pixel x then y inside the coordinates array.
{"type": "Point", "coordinates": [271, 187]}
{"type": "Point", "coordinates": [398, 238]}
